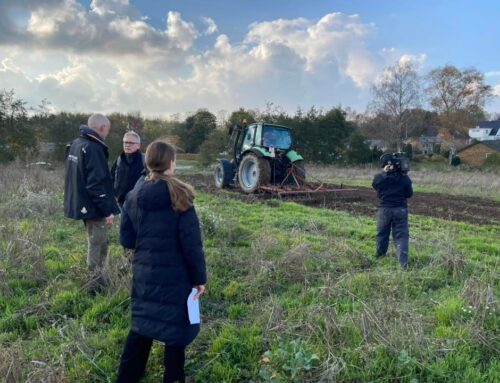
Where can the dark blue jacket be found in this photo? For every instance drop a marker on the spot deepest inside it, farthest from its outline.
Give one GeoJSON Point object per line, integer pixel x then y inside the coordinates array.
{"type": "Point", "coordinates": [393, 189]}
{"type": "Point", "coordinates": [88, 189]}
{"type": "Point", "coordinates": [168, 262]}
{"type": "Point", "coordinates": [125, 172]}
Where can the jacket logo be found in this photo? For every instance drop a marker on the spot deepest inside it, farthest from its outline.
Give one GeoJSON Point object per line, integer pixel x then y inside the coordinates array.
{"type": "Point", "coordinates": [72, 158]}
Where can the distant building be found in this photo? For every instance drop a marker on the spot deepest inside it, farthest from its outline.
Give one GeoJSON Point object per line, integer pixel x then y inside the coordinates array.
{"type": "Point", "coordinates": [477, 152]}
{"type": "Point", "coordinates": [429, 144]}
{"type": "Point", "coordinates": [486, 131]}
{"type": "Point", "coordinates": [429, 141]}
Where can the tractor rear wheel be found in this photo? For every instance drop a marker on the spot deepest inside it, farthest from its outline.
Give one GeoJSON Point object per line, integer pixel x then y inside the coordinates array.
{"type": "Point", "coordinates": [253, 172]}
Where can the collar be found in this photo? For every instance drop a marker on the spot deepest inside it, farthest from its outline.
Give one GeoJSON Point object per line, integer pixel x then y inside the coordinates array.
{"type": "Point", "coordinates": [92, 134]}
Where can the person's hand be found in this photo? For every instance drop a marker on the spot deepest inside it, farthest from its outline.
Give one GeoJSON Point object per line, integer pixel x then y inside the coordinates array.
{"type": "Point", "coordinates": [388, 168]}
{"type": "Point", "coordinates": [109, 219]}
{"type": "Point", "coordinates": [201, 290]}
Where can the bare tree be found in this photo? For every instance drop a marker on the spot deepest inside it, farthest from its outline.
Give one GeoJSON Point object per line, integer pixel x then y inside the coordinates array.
{"type": "Point", "coordinates": [458, 97]}
{"type": "Point", "coordinates": [396, 93]}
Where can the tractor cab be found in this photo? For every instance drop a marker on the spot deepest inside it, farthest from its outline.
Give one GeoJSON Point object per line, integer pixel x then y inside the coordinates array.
{"type": "Point", "coordinates": [262, 154]}
{"type": "Point", "coordinates": [262, 136]}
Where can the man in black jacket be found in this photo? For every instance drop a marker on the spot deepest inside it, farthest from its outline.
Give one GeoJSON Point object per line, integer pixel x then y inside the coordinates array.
{"type": "Point", "coordinates": [128, 167]}
{"type": "Point", "coordinates": [88, 193]}
{"type": "Point", "coordinates": [393, 189]}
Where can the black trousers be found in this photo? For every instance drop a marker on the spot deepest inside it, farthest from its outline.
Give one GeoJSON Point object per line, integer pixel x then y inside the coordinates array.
{"type": "Point", "coordinates": [135, 356]}
{"type": "Point", "coordinates": [393, 219]}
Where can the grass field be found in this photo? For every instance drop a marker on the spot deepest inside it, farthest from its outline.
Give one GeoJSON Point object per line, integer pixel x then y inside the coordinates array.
{"type": "Point", "coordinates": [294, 295]}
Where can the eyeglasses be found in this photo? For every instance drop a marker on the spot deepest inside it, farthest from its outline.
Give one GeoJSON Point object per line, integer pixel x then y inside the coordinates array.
{"type": "Point", "coordinates": [130, 143]}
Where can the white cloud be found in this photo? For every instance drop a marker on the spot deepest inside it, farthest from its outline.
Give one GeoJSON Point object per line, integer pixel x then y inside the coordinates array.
{"type": "Point", "coordinates": [496, 90]}
{"type": "Point", "coordinates": [110, 58]}
{"type": "Point", "coordinates": [211, 26]}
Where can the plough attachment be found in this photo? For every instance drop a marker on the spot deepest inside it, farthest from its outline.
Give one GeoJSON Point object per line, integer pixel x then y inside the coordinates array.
{"type": "Point", "coordinates": [294, 184]}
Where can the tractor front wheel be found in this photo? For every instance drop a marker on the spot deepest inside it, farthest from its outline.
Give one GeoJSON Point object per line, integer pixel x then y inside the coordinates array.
{"type": "Point", "coordinates": [253, 172]}
{"type": "Point", "coordinates": [224, 174]}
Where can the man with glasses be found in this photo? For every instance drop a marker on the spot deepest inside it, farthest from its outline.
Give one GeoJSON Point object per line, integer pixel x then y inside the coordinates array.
{"type": "Point", "coordinates": [128, 167]}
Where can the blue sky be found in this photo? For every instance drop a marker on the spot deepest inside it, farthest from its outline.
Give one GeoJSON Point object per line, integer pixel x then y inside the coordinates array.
{"type": "Point", "coordinates": [461, 33]}
{"type": "Point", "coordinates": [164, 57]}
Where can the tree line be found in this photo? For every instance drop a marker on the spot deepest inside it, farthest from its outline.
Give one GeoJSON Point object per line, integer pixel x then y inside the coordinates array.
{"type": "Point", "coordinates": [455, 101]}
{"type": "Point", "coordinates": [320, 136]}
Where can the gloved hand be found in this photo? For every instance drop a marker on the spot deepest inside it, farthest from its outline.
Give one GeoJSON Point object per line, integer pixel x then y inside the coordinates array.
{"type": "Point", "coordinates": [388, 168]}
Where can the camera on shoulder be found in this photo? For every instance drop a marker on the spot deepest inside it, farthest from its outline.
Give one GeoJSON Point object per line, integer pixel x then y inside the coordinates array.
{"type": "Point", "coordinates": [399, 162]}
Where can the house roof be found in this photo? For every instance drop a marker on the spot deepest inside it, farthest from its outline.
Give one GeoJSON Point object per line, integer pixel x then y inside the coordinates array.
{"type": "Point", "coordinates": [430, 131]}
{"type": "Point", "coordinates": [493, 144]}
{"type": "Point", "coordinates": [489, 124]}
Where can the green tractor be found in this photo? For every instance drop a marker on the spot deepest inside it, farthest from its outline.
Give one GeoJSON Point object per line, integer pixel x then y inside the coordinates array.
{"type": "Point", "coordinates": [263, 158]}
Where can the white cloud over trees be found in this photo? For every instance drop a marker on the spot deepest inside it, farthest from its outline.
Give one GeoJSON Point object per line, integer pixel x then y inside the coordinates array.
{"type": "Point", "coordinates": [108, 57]}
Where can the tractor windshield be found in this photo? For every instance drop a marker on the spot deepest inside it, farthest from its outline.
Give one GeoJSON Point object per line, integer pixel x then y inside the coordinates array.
{"type": "Point", "coordinates": [278, 137]}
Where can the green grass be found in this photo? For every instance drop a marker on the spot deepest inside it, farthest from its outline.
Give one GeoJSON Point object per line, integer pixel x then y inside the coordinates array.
{"type": "Point", "coordinates": [294, 295]}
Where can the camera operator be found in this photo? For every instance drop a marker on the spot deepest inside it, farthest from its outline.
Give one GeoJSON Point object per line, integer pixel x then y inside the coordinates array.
{"type": "Point", "coordinates": [393, 188]}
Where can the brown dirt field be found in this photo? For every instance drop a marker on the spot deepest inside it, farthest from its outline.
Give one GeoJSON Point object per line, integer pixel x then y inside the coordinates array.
{"type": "Point", "coordinates": [363, 201]}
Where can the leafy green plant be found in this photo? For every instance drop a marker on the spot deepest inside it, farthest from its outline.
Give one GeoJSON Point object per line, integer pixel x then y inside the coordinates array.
{"type": "Point", "coordinates": [288, 362]}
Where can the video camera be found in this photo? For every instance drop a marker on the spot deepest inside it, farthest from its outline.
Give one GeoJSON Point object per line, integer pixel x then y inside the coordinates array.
{"type": "Point", "coordinates": [398, 160]}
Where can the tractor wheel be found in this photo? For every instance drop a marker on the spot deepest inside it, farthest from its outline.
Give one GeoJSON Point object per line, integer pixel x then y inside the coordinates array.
{"type": "Point", "coordinates": [253, 172]}
{"type": "Point", "coordinates": [224, 174]}
{"type": "Point", "coordinates": [300, 170]}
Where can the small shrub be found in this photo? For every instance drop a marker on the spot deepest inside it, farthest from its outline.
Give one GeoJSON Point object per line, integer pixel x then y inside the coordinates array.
{"type": "Point", "coordinates": [289, 362]}
{"type": "Point", "coordinates": [455, 161]}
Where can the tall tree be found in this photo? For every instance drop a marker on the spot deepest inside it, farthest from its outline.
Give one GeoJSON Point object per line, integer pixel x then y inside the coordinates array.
{"type": "Point", "coordinates": [196, 129]}
{"type": "Point", "coordinates": [16, 137]}
{"type": "Point", "coordinates": [240, 115]}
{"type": "Point", "coordinates": [397, 92]}
{"type": "Point", "coordinates": [458, 96]}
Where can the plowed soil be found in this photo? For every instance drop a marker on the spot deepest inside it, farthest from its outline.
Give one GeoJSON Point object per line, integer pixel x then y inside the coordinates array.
{"type": "Point", "coordinates": [363, 201]}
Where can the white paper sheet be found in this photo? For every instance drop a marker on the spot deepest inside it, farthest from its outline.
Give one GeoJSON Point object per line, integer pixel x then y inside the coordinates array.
{"type": "Point", "coordinates": [193, 308]}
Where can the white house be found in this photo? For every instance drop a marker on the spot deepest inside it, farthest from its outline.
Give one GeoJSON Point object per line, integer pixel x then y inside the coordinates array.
{"type": "Point", "coordinates": [486, 131]}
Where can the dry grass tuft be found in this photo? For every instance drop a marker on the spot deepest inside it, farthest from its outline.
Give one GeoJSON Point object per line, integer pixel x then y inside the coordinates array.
{"type": "Point", "coordinates": [292, 264]}
{"type": "Point", "coordinates": [11, 363]}
{"type": "Point", "coordinates": [480, 296]}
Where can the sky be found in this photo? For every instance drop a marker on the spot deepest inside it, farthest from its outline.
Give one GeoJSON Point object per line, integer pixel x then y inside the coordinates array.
{"type": "Point", "coordinates": [163, 57]}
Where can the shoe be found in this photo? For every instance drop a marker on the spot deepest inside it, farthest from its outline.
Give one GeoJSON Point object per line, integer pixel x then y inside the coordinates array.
{"type": "Point", "coordinates": [97, 283]}
{"type": "Point", "coordinates": [378, 255]}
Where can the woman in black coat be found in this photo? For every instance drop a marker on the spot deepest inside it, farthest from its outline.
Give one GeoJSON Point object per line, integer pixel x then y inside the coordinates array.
{"type": "Point", "coordinates": [160, 223]}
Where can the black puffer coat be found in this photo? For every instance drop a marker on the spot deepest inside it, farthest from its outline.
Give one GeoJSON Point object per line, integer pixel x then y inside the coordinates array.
{"type": "Point", "coordinates": [168, 262]}
{"type": "Point", "coordinates": [125, 172]}
{"type": "Point", "coordinates": [88, 189]}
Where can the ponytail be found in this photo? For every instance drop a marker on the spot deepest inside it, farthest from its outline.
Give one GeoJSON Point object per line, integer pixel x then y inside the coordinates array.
{"type": "Point", "coordinates": [181, 194]}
